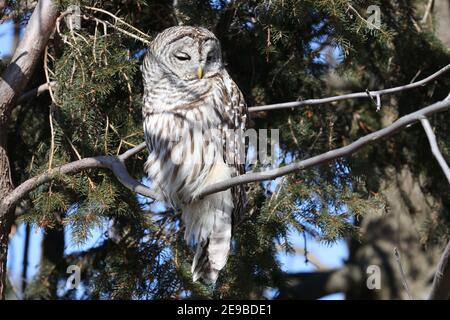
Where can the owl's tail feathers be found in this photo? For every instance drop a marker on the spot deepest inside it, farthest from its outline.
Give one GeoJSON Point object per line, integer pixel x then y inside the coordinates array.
{"type": "Point", "coordinates": [212, 253]}
{"type": "Point", "coordinates": [208, 225]}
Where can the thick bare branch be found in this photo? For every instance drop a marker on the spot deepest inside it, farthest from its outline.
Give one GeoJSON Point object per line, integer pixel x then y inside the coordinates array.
{"type": "Point", "coordinates": [12, 82]}
{"type": "Point", "coordinates": [330, 155]}
{"type": "Point", "coordinates": [19, 71]}
{"type": "Point", "coordinates": [113, 163]}
{"type": "Point", "coordinates": [366, 94]}
{"type": "Point", "coordinates": [435, 148]}
{"type": "Point", "coordinates": [440, 289]}
{"type": "Point", "coordinates": [116, 164]}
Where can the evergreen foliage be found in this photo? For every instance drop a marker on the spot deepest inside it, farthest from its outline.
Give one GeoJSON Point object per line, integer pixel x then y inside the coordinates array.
{"type": "Point", "coordinates": [277, 51]}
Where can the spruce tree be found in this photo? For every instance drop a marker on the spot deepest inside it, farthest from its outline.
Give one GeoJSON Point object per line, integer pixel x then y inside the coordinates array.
{"type": "Point", "coordinates": [389, 195]}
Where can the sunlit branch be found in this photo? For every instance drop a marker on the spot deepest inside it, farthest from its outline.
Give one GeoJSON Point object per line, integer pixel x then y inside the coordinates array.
{"type": "Point", "coordinates": [359, 95]}
{"type": "Point", "coordinates": [117, 166]}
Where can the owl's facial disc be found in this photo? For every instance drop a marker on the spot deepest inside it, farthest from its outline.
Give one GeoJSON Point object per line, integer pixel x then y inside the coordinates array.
{"type": "Point", "coordinates": [193, 59]}
{"type": "Point", "coordinates": [210, 57]}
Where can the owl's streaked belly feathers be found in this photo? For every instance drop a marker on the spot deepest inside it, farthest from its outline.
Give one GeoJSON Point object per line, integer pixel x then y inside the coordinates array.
{"type": "Point", "coordinates": [184, 145]}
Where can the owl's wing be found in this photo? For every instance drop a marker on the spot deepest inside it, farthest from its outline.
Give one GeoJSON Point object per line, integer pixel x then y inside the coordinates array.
{"type": "Point", "coordinates": [147, 111]}
{"type": "Point", "coordinates": [235, 116]}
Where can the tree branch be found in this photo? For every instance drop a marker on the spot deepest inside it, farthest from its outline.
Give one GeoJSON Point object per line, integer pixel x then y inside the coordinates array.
{"type": "Point", "coordinates": [35, 92]}
{"type": "Point", "coordinates": [330, 155]}
{"type": "Point", "coordinates": [116, 164]}
{"type": "Point", "coordinates": [366, 94]}
{"type": "Point", "coordinates": [434, 147]}
{"type": "Point", "coordinates": [12, 83]}
{"type": "Point", "coordinates": [374, 95]}
{"type": "Point", "coordinates": [309, 257]}
{"type": "Point", "coordinates": [113, 163]}
{"type": "Point", "coordinates": [440, 289]}
{"type": "Point", "coordinates": [427, 11]}
{"type": "Point", "coordinates": [19, 71]}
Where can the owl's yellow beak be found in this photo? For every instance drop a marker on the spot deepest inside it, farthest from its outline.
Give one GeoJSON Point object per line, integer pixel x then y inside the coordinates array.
{"type": "Point", "coordinates": [199, 72]}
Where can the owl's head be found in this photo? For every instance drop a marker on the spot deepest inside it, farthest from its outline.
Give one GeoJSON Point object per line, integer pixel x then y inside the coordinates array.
{"type": "Point", "coordinates": [188, 53]}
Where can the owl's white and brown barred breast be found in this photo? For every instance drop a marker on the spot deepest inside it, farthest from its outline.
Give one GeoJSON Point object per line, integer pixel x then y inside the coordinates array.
{"type": "Point", "coordinates": [181, 163]}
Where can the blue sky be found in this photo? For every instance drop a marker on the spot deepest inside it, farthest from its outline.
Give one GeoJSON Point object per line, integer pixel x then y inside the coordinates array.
{"type": "Point", "coordinates": [6, 36]}
{"type": "Point", "coordinates": [330, 256]}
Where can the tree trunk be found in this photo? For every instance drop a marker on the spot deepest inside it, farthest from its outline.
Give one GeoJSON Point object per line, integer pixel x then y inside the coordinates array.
{"type": "Point", "coordinates": [399, 226]}
{"type": "Point", "coordinates": [442, 14]}
{"type": "Point", "coordinates": [26, 249]}
{"type": "Point", "coordinates": [12, 83]}
{"type": "Point", "coordinates": [6, 217]}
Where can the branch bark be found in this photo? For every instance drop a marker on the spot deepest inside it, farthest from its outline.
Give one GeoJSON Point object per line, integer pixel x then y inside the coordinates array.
{"type": "Point", "coordinates": [440, 289]}
{"type": "Point", "coordinates": [358, 95]}
{"type": "Point", "coordinates": [375, 95]}
{"type": "Point", "coordinates": [333, 154]}
{"type": "Point", "coordinates": [17, 75]}
{"type": "Point", "coordinates": [12, 82]}
{"type": "Point", "coordinates": [35, 92]}
{"type": "Point", "coordinates": [19, 71]}
{"type": "Point", "coordinates": [116, 164]}
{"type": "Point", "coordinates": [435, 148]}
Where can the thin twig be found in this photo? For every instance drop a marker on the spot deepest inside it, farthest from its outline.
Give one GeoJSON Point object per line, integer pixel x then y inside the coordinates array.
{"type": "Point", "coordinates": [416, 76]}
{"type": "Point", "coordinates": [435, 148]}
{"type": "Point", "coordinates": [311, 258]}
{"type": "Point", "coordinates": [357, 95]}
{"type": "Point", "coordinates": [36, 92]}
{"type": "Point", "coordinates": [402, 273]}
{"type": "Point", "coordinates": [117, 19]}
{"type": "Point", "coordinates": [427, 11]}
{"type": "Point", "coordinates": [47, 72]}
{"type": "Point", "coordinates": [52, 141]}
{"type": "Point", "coordinates": [50, 115]}
{"type": "Point", "coordinates": [107, 23]}
{"type": "Point", "coordinates": [91, 183]}
{"type": "Point", "coordinates": [143, 36]}
{"type": "Point", "coordinates": [106, 134]}
{"type": "Point", "coordinates": [366, 21]}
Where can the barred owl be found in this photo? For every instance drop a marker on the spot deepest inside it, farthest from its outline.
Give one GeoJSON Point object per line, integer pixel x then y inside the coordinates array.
{"type": "Point", "coordinates": [187, 91]}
